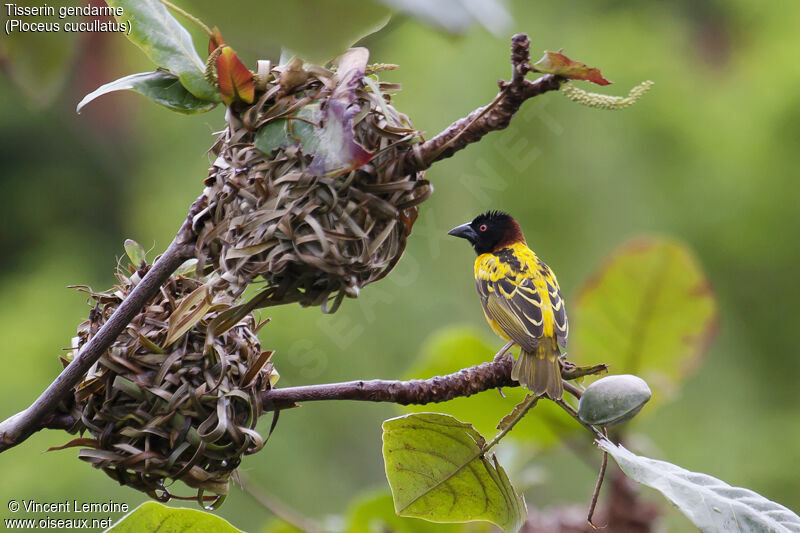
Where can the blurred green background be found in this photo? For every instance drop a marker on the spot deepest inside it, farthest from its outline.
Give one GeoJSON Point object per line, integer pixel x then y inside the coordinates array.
{"type": "Point", "coordinates": [709, 156]}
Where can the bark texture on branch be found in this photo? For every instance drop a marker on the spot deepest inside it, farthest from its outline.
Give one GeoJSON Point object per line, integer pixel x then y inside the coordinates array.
{"type": "Point", "coordinates": [465, 382]}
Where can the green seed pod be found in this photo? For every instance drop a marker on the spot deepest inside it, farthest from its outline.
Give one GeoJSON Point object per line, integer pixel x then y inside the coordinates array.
{"type": "Point", "coordinates": [613, 400]}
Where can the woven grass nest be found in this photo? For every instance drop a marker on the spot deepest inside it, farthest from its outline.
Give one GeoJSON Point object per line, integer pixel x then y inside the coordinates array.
{"type": "Point", "coordinates": [305, 193]}
{"type": "Point", "coordinates": [168, 400]}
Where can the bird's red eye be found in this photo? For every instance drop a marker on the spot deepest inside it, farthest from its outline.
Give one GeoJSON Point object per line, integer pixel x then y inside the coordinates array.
{"type": "Point", "coordinates": [483, 227]}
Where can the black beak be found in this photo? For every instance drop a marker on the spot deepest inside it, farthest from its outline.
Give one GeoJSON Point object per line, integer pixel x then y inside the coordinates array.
{"type": "Point", "coordinates": [464, 231]}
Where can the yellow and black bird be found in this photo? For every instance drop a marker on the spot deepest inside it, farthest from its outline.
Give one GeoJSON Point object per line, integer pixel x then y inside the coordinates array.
{"type": "Point", "coordinates": [521, 299]}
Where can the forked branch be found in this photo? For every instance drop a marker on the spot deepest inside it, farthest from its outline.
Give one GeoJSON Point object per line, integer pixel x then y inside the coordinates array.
{"type": "Point", "coordinates": [495, 116]}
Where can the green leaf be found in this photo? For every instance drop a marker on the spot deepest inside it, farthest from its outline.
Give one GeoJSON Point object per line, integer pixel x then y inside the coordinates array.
{"type": "Point", "coordinates": [457, 16]}
{"type": "Point", "coordinates": [650, 311]}
{"type": "Point", "coordinates": [326, 134]}
{"type": "Point", "coordinates": [334, 149]}
{"type": "Point", "coordinates": [337, 151]}
{"type": "Point", "coordinates": [453, 348]}
{"type": "Point", "coordinates": [283, 132]}
{"type": "Point", "coordinates": [711, 504]}
{"type": "Point", "coordinates": [374, 512]}
{"type": "Point", "coordinates": [152, 516]}
{"type": "Point", "coordinates": [316, 30]}
{"type": "Point", "coordinates": [437, 470]}
{"type": "Point", "coordinates": [167, 43]}
{"type": "Point", "coordinates": [307, 30]}
{"type": "Point", "coordinates": [160, 86]}
{"type": "Point", "coordinates": [136, 253]}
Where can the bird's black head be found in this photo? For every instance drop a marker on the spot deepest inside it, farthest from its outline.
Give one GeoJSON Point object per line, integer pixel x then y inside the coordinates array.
{"type": "Point", "coordinates": [490, 231]}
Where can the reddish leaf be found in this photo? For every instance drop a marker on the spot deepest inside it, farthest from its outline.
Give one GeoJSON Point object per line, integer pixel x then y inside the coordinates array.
{"type": "Point", "coordinates": [560, 65]}
{"type": "Point", "coordinates": [234, 78]}
{"type": "Point", "coordinates": [215, 40]}
{"type": "Point", "coordinates": [334, 147]}
{"type": "Point", "coordinates": [336, 151]}
{"type": "Point", "coordinates": [325, 132]}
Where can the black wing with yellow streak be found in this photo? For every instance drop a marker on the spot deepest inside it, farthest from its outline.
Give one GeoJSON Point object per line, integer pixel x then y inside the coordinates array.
{"type": "Point", "coordinates": [516, 306]}
{"type": "Point", "coordinates": [512, 285]}
{"type": "Point", "coordinates": [560, 323]}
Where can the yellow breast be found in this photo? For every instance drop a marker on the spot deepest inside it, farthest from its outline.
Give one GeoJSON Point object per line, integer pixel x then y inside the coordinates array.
{"type": "Point", "coordinates": [515, 263]}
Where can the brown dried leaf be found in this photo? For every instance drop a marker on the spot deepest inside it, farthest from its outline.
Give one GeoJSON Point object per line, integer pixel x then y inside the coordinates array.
{"type": "Point", "coordinates": [189, 312]}
{"type": "Point", "coordinates": [560, 65]}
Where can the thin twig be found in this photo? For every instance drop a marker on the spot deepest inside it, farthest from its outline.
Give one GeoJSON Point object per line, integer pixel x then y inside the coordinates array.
{"type": "Point", "coordinates": [508, 423]}
{"type": "Point", "coordinates": [596, 494]}
{"type": "Point", "coordinates": [188, 16]}
{"type": "Point", "coordinates": [571, 388]}
{"type": "Point", "coordinates": [492, 117]}
{"type": "Point", "coordinates": [280, 509]}
{"type": "Point", "coordinates": [568, 408]}
{"type": "Point", "coordinates": [571, 371]}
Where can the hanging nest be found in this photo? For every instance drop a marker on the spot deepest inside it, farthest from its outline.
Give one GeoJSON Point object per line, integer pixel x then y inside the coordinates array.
{"type": "Point", "coordinates": [305, 193]}
{"type": "Point", "coordinates": [169, 400]}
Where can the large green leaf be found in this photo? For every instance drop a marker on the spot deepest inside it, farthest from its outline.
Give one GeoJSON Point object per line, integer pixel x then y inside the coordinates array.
{"type": "Point", "coordinates": [160, 86]}
{"type": "Point", "coordinates": [334, 149]}
{"type": "Point", "coordinates": [326, 134]}
{"type": "Point", "coordinates": [457, 16]}
{"type": "Point", "coordinates": [315, 30]}
{"type": "Point", "coordinates": [152, 516]}
{"type": "Point", "coordinates": [318, 30]}
{"type": "Point", "coordinates": [167, 43]}
{"type": "Point", "coordinates": [650, 311]}
{"type": "Point", "coordinates": [296, 129]}
{"type": "Point", "coordinates": [438, 471]}
{"type": "Point", "coordinates": [453, 348]}
{"type": "Point", "coordinates": [711, 504]}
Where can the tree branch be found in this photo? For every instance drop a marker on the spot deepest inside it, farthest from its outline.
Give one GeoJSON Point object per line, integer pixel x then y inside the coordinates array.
{"type": "Point", "coordinates": [465, 382]}
{"type": "Point", "coordinates": [493, 117]}
{"type": "Point", "coordinates": [44, 410]}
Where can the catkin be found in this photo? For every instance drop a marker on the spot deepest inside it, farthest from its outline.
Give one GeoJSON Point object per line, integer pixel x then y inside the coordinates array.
{"type": "Point", "coordinates": [604, 101]}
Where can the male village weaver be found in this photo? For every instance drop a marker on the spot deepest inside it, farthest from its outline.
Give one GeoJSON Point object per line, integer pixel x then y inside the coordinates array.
{"type": "Point", "coordinates": [521, 299]}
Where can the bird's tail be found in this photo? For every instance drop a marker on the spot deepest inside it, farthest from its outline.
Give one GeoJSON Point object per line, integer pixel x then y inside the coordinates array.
{"type": "Point", "coordinates": [540, 370]}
